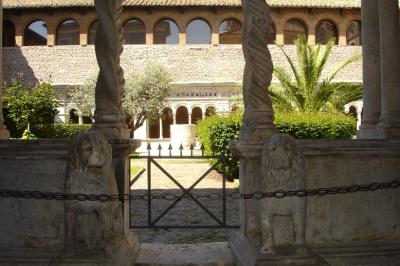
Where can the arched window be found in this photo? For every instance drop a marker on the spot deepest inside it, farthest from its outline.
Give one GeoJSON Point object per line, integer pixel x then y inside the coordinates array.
{"type": "Point", "coordinates": [353, 34]}
{"type": "Point", "coordinates": [134, 32]}
{"type": "Point", "coordinates": [8, 33]}
{"type": "Point", "coordinates": [167, 121]}
{"type": "Point", "coordinates": [292, 29]}
{"type": "Point", "coordinates": [272, 36]}
{"type": "Point", "coordinates": [92, 32]}
{"type": "Point", "coordinates": [68, 33]}
{"type": "Point", "coordinates": [182, 115]}
{"type": "Point", "coordinates": [230, 32]}
{"type": "Point", "coordinates": [325, 31]}
{"type": "Point", "coordinates": [73, 117]}
{"type": "Point", "coordinates": [210, 111]}
{"type": "Point", "coordinates": [36, 34]}
{"type": "Point", "coordinates": [198, 32]}
{"type": "Point", "coordinates": [86, 119]}
{"type": "Point", "coordinates": [196, 115]}
{"type": "Point", "coordinates": [166, 32]}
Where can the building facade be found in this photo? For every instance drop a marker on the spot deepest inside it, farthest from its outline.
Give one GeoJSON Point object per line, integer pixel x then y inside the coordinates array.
{"type": "Point", "coordinates": [198, 41]}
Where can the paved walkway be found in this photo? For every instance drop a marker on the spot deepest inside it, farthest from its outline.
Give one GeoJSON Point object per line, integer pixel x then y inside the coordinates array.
{"type": "Point", "coordinates": [186, 212]}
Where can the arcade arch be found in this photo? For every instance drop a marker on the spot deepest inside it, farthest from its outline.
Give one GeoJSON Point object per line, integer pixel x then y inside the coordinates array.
{"type": "Point", "coordinates": [36, 33]}
{"type": "Point", "coordinates": [134, 32]}
{"type": "Point", "coordinates": [198, 31]}
{"type": "Point", "coordinates": [8, 33]}
{"type": "Point", "coordinates": [166, 32]}
{"type": "Point", "coordinates": [326, 30]}
{"type": "Point", "coordinates": [68, 33]}
{"type": "Point", "coordinates": [230, 32]}
{"type": "Point", "coordinates": [292, 29]}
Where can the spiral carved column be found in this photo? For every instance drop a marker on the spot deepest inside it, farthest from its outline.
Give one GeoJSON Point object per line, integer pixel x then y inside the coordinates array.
{"type": "Point", "coordinates": [109, 116]}
{"type": "Point", "coordinates": [258, 116]}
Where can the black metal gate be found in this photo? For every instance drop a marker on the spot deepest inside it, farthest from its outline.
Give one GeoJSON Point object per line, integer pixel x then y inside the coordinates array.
{"type": "Point", "coordinates": [153, 162]}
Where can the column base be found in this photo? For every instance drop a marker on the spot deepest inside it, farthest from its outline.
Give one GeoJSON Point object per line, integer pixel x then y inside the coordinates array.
{"type": "Point", "coordinates": [369, 133]}
{"type": "Point", "coordinates": [246, 255]}
{"type": "Point", "coordinates": [389, 129]}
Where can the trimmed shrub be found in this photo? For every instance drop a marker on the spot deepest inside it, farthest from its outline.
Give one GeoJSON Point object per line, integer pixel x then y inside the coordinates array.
{"type": "Point", "coordinates": [216, 132]}
{"type": "Point", "coordinates": [59, 130]}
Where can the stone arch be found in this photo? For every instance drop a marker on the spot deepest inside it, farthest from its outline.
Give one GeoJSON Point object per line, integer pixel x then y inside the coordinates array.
{"type": "Point", "coordinates": [92, 32]}
{"type": "Point", "coordinates": [210, 110]}
{"type": "Point", "coordinates": [197, 114]}
{"type": "Point", "coordinates": [198, 31]}
{"type": "Point", "coordinates": [8, 33]}
{"type": "Point", "coordinates": [230, 31]}
{"type": "Point", "coordinates": [325, 30]}
{"type": "Point", "coordinates": [68, 33]}
{"type": "Point", "coordinates": [182, 115]}
{"type": "Point", "coordinates": [167, 121]}
{"type": "Point", "coordinates": [35, 33]}
{"type": "Point", "coordinates": [166, 31]}
{"type": "Point", "coordinates": [134, 31]}
{"type": "Point", "coordinates": [293, 28]}
{"type": "Point", "coordinates": [353, 33]}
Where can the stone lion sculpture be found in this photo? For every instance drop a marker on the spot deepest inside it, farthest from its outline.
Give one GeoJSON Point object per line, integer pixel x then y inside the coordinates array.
{"type": "Point", "coordinates": [282, 169]}
{"type": "Point", "coordinates": [94, 228]}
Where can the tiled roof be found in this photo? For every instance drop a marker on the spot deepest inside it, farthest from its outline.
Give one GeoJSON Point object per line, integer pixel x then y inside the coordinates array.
{"type": "Point", "coordinates": [9, 4]}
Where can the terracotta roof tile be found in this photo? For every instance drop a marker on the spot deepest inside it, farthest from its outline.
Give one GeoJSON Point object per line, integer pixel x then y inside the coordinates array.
{"type": "Point", "coordinates": [9, 4]}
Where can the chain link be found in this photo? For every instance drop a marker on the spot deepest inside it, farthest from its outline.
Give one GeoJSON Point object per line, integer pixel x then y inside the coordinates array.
{"type": "Point", "coordinates": [257, 195]}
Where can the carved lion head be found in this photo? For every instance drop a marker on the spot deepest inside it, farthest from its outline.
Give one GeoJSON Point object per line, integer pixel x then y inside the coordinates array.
{"type": "Point", "coordinates": [91, 153]}
{"type": "Point", "coordinates": [282, 161]}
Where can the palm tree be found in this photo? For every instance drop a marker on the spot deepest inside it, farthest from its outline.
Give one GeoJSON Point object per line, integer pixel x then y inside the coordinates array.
{"type": "Point", "coordinates": [304, 89]}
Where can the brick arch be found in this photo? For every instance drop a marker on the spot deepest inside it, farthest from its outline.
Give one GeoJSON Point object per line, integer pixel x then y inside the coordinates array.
{"type": "Point", "coordinates": [33, 42]}
{"type": "Point", "coordinates": [61, 23]}
{"type": "Point", "coordinates": [164, 18]}
{"type": "Point", "coordinates": [142, 21]}
{"type": "Point", "coordinates": [328, 19]}
{"type": "Point", "coordinates": [201, 18]}
{"type": "Point", "coordinates": [230, 39]}
{"type": "Point", "coordinates": [10, 33]}
{"type": "Point", "coordinates": [299, 19]}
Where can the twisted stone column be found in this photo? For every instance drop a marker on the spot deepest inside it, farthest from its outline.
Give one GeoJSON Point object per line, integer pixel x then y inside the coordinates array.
{"type": "Point", "coordinates": [109, 116]}
{"type": "Point", "coordinates": [258, 116]}
{"type": "Point", "coordinates": [4, 134]}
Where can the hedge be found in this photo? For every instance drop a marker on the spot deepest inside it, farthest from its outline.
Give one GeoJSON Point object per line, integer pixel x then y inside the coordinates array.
{"type": "Point", "coordinates": [59, 130]}
{"type": "Point", "coordinates": [216, 132]}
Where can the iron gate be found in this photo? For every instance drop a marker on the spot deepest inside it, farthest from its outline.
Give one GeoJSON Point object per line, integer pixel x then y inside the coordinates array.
{"type": "Point", "coordinates": [153, 162]}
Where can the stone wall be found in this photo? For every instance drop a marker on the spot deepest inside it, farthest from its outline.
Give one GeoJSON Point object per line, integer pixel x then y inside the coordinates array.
{"type": "Point", "coordinates": [336, 224]}
{"type": "Point", "coordinates": [67, 65]}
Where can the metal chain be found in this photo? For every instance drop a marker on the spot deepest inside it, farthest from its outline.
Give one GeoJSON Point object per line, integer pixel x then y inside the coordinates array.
{"type": "Point", "coordinates": [257, 195]}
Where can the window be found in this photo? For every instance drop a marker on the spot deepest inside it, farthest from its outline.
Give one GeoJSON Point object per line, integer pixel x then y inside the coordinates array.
{"type": "Point", "coordinates": [166, 32]}
{"type": "Point", "coordinates": [230, 32]}
{"type": "Point", "coordinates": [198, 32]}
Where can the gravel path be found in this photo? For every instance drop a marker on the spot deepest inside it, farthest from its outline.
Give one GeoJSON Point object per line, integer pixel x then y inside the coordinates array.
{"type": "Point", "coordinates": [186, 212]}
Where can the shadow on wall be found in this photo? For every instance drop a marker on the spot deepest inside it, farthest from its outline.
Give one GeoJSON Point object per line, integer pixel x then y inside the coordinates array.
{"type": "Point", "coordinates": [14, 61]}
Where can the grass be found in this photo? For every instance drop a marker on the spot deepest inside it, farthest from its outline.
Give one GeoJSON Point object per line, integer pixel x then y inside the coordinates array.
{"type": "Point", "coordinates": [135, 169]}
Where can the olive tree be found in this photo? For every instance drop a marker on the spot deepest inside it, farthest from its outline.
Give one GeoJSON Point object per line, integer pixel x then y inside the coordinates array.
{"type": "Point", "coordinates": [146, 94]}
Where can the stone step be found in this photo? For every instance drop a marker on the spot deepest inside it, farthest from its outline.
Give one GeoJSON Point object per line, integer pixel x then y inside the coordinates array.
{"type": "Point", "coordinates": [204, 254]}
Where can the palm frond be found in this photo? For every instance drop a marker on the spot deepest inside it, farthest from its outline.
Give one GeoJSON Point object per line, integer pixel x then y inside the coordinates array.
{"type": "Point", "coordinates": [341, 66]}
